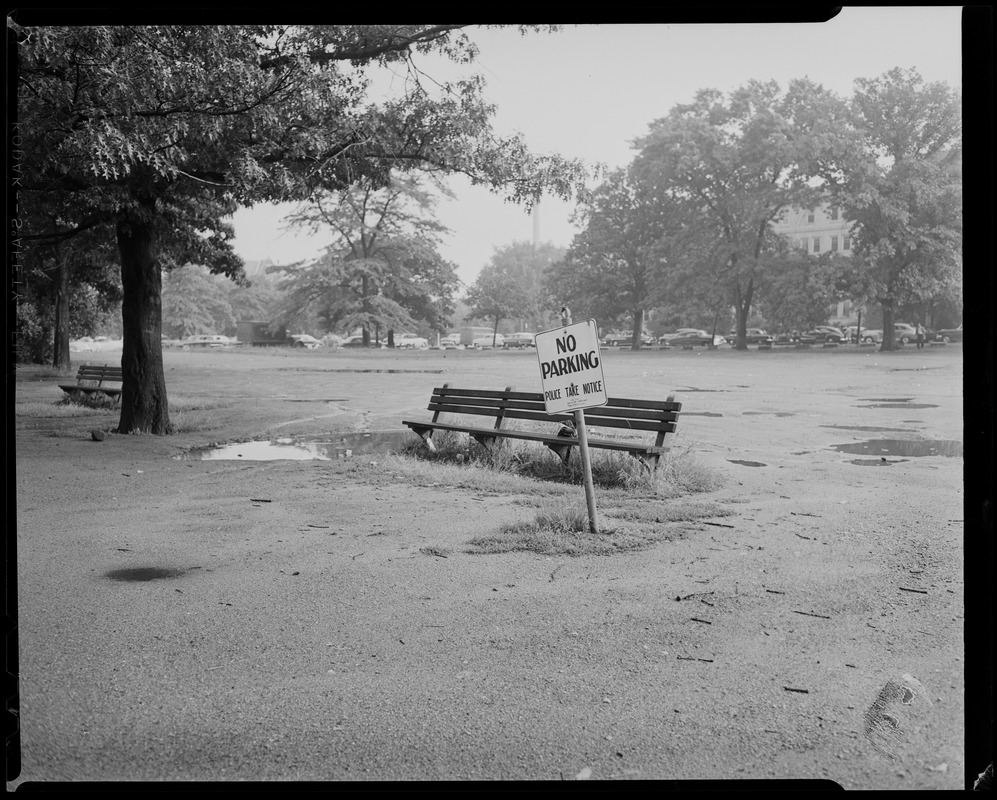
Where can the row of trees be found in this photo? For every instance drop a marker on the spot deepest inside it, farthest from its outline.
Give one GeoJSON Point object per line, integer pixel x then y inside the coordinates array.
{"type": "Point", "coordinates": [687, 228]}
{"type": "Point", "coordinates": [146, 139]}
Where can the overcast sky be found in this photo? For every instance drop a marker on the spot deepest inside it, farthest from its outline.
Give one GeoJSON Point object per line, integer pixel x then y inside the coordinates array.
{"type": "Point", "coordinates": [588, 91]}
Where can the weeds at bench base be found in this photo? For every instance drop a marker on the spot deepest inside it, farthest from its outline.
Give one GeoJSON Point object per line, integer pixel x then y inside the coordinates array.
{"type": "Point", "coordinates": [678, 471]}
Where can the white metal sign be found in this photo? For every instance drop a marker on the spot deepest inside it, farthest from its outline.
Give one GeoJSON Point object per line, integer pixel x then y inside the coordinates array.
{"type": "Point", "coordinates": [571, 367]}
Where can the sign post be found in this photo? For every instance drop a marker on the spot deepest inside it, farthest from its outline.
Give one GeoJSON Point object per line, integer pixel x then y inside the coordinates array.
{"type": "Point", "coordinates": [572, 380]}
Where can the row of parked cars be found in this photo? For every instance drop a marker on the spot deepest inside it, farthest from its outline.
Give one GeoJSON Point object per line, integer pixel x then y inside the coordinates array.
{"type": "Point", "coordinates": [694, 337]}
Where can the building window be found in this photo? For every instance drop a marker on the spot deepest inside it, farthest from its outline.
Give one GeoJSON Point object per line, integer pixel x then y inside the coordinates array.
{"type": "Point", "coordinates": [816, 245]}
{"type": "Point", "coordinates": [803, 245]}
{"type": "Point", "coordinates": [834, 213]}
{"type": "Point", "coordinates": [834, 244]}
{"type": "Point", "coordinates": [847, 243]}
{"type": "Point", "coordinates": [810, 217]}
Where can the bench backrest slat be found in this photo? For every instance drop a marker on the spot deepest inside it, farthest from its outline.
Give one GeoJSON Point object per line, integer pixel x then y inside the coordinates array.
{"type": "Point", "coordinates": [665, 421]}
{"type": "Point", "coordinates": [494, 394]}
{"type": "Point", "coordinates": [510, 399]}
{"type": "Point", "coordinates": [99, 370]}
{"type": "Point", "coordinates": [94, 376]}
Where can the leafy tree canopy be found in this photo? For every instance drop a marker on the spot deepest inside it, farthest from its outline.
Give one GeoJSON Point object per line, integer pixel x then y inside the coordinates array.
{"type": "Point", "coordinates": [382, 269]}
{"type": "Point", "coordinates": [158, 132]}
{"type": "Point", "coordinates": [891, 158]}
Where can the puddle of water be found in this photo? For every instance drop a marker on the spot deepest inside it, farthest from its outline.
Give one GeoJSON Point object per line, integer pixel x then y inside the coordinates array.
{"type": "Point", "coordinates": [701, 414]}
{"type": "Point", "coordinates": [302, 449]}
{"type": "Point", "coordinates": [746, 463]}
{"type": "Point", "coordinates": [903, 447]}
{"type": "Point", "coordinates": [886, 399]}
{"type": "Point", "coordinates": [137, 574]}
{"type": "Point", "coordinates": [900, 405]}
{"type": "Point", "coordinates": [767, 413]}
{"type": "Point", "coordinates": [875, 462]}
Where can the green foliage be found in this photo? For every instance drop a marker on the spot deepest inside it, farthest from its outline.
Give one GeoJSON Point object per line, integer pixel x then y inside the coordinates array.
{"type": "Point", "coordinates": [156, 133]}
{"type": "Point", "coordinates": [727, 164]}
{"type": "Point", "coordinates": [497, 294]}
{"type": "Point", "coordinates": [383, 269]}
{"type": "Point", "coordinates": [892, 160]}
{"type": "Point", "coordinates": [527, 264]}
{"type": "Point", "coordinates": [612, 267]}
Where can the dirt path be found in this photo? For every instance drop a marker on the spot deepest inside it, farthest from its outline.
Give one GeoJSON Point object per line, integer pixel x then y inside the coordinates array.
{"type": "Point", "coordinates": [322, 620]}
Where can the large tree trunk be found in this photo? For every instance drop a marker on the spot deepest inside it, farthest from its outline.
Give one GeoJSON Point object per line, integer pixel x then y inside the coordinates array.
{"type": "Point", "coordinates": [60, 345]}
{"type": "Point", "coordinates": [144, 407]}
{"type": "Point", "coordinates": [638, 331]}
{"type": "Point", "coordinates": [889, 339]}
{"type": "Point", "coordinates": [742, 307]}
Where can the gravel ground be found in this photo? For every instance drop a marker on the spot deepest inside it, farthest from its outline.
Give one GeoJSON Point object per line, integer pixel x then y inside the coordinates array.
{"type": "Point", "coordinates": [323, 621]}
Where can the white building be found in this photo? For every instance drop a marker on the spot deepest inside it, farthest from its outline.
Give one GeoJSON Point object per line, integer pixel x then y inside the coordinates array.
{"type": "Point", "coordinates": [822, 230]}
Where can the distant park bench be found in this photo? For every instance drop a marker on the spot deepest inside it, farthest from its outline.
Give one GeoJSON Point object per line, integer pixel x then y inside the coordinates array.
{"type": "Point", "coordinates": [655, 416]}
{"type": "Point", "coordinates": [95, 379]}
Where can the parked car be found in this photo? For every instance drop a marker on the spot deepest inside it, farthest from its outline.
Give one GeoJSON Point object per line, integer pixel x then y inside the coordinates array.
{"type": "Point", "coordinates": [412, 340]}
{"type": "Point", "coordinates": [202, 340]}
{"type": "Point", "coordinates": [695, 337]}
{"type": "Point", "coordinates": [824, 333]}
{"type": "Point", "coordinates": [906, 333]}
{"type": "Point", "coordinates": [949, 335]}
{"type": "Point", "coordinates": [667, 337]}
{"type": "Point", "coordinates": [751, 336]}
{"type": "Point", "coordinates": [626, 339]}
{"type": "Point", "coordinates": [868, 335]}
{"type": "Point", "coordinates": [491, 340]}
{"type": "Point", "coordinates": [450, 342]}
{"type": "Point", "coordinates": [305, 341]}
{"type": "Point", "coordinates": [522, 339]}
{"type": "Point", "coordinates": [355, 341]}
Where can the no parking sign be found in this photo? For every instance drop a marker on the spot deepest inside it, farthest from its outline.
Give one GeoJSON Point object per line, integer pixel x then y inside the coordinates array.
{"type": "Point", "coordinates": [571, 367]}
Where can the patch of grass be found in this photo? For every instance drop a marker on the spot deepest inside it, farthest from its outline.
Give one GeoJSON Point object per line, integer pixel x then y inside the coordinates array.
{"type": "Point", "coordinates": [61, 409]}
{"type": "Point", "coordinates": [182, 404]}
{"type": "Point", "coordinates": [679, 471]}
{"type": "Point", "coordinates": [561, 529]}
{"type": "Point", "coordinates": [683, 470]}
{"type": "Point", "coordinates": [186, 414]}
{"type": "Point", "coordinates": [672, 511]}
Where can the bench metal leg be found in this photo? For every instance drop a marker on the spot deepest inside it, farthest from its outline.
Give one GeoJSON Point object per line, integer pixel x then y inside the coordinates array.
{"type": "Point", "coordinates": [563, 451]}
{"type": "Point", "coordinates": [427, 436]}
{"type": "Point", "coordinates": [483, 439]}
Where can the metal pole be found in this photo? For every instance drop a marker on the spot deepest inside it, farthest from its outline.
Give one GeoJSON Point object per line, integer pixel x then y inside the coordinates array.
{"type": "Point", "coordinates": [583, 451]}
{"type": "Point", "coordinates": [583, 448]}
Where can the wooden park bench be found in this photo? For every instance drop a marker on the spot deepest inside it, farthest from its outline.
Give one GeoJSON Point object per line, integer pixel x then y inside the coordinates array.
{"type": "Point", "coordinates": [657, 416]}
{"type": "Point", "coordinates": [93, 379]}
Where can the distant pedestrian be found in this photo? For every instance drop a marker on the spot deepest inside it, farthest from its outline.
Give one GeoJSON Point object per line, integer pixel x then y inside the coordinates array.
{"type": "Point", "coordinates": [920, 336]}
